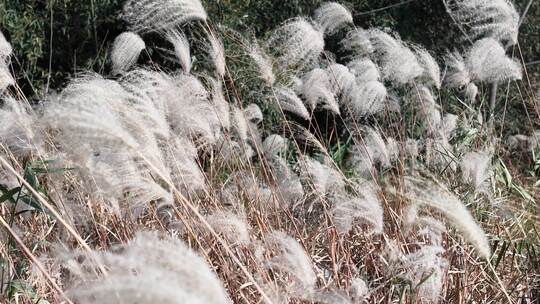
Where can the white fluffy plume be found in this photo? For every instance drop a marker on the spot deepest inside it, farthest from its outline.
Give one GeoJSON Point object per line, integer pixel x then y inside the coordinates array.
{"type": "Point", "coordinates": [362, 207]}
{"type": "Point", "coordinates": [155, 15]}
{"type": "Point", "coordinates": [5, 48]}
{"type": "Point", "coordinates": [367, 98]}
{"type": "Point", "coordinates": [19, 130]}
{"type": "Point", "coordinates": [476, 169]}
{"type": "Point", "coordinates": [290, 102]}
{"type": "Point", "coordinates": [434, 195]}
{"type": "Point", "coordinates": [217, 54]}
{"type": "Point", "coordinates": [332, 16]}
{"type": "Point", "coordinates": [181, 48]}
{"type": "Point", "coordinates": [263, 62]}
{"type": "Point", "coordinates": [145, 270]}
{"type": "Point", "coordinates": [357, 42]}
{"type": "Point", "coordinates": [317, 90]}
{"type": "Point", "coordinates": [364, 70]}
{"type": "Point", "coordinates": [487, 61]}
{"type": "Point", "coordinates": [497, 19]}
{"type": "Point", "coordinates": [398, 63]}
{"type": "Point", "coordinates": [432, 71]}
{"type": "Point", "coordinates": [296, 41]}
{"type": "Point", "coordinates": [291, 259]}
{"type": "Point", "coordinates": [126, 50]}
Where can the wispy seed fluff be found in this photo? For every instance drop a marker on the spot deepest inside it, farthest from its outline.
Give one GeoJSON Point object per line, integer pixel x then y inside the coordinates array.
{"type": "Point", "coordinates": [296, 42]}
{"type": "Point", "coordinates": [317, 90]}
{"type": "Point", "coordinates": [362, 207]}
{"type": "Point", "coordinates": [341, 79]}
{"type": "Point", "coordinates": [457, 74]}
{"type": "Point", "coordinates": [487, 61]}
{"type": "Point", "coordinates": [290, 102]}
{"type": "Point", "coordinates": [263, 62]}
{"type": "Point", "coordinates": [332, 16]}
{"type": "Point", "coordinates": [497, 19]}
{"type": "Point", "coordinates": [155, 15]}
{"type": "Point", "coordinates": [431, 194]}
{"type": "Point", "coordinates": [364, 70]}
{"type": "Point", "coordinates": [126, 50]}
{"type": "Point", "coordinates": [357, 42]}
{"type": "Point", "coordinates": [5, 48]}
{"type": "Point", "coordinates": [19, 130]}
{"type": "Point", "coordinates": [476, 169]}
{"type": "Point", "coordinates": [217, 54]}
{"type": "Point", "coordinates": [6, 79]}
{"type": "Point", "coordinates": [398, 63]}
{"type": "Point", "coordinates": [291, 259]}
{"type": "Point", "coordinates": [432, 71]}
{"type": "Point", "coordinates": [146, 270]}
{"type": "Point", "coordinates": [367, 98]}
{"type": "Point", "coordinates": [181, 48]}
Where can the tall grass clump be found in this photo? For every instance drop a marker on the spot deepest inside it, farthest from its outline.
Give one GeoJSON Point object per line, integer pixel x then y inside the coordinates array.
{"type": "Point", "coordinates": [319, 162]}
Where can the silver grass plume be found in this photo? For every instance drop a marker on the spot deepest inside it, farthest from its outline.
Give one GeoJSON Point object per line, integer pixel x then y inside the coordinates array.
{"type": "Point", "coordinates": [487, 61]}
{"type": "Point", "coordinates": [320, 178]}
{"type": "Point", "coordinates": [154, 15]}
{"type": "Point", "coordinates": [190, 110]}
{"type": "Point", "coordinates": [432, 71]}
{"type": "Point", "coordinates": [292, 260]}
{"type": "Point", "coordinates": [5, 48]}
{"type": "Point", "coordinates": [126, 50]}
{"type": "Point", "coordinates": [253, 113]}
{"type": "Point", "coordinates": [274, 144]}
{"type": "Point", "coordinates": [332, 16]}
{"type": "Point", "coordinates": [497, 19]}
{"type": "Point", "coordinates": [233, 227]}
{"type": "Point", "coordinates": [181, 48]}
{"type": "Point", "coordinates": [298, 42]}
{"type": "Point", "coordinates": [369, 151]}
{"type": "Point", "coordinates": [19, 130]}
{"type": "Point", "coordinates": [290, 102]}
{"type": "Point", "coordinates": [263, 62]}
{"type": "Point", "coordinates": [398, 63]}
{"type": "Point", "coordinates": [145, 270]}
{"type": "Point", "coordinates": [361, 207]}
{"type": "Point", "coordinates": [364, 70]}
{"type": "Point", "coordinates": [429, 108]}
{"type": "Point", "coordinates": [425, 268]}
{"type": "Point", "coordinates": [357, 42]}
{"type": "Point", "coordinates": [341, 79]}
{"type": "Point", "coordinates": [317, 90]}
{"type": "Point", "coordinates": [217, 54]}
{"type": "Point", "coordinates": [367, 98]}
{"type": "Point", "coordinates": [432, 194]}
{"type": "Point", "coordinates": [476, 169]}
{"type": "Point", "coordinates": [6, 79]}
{"type": "Point", "coordinates": [457, 74]}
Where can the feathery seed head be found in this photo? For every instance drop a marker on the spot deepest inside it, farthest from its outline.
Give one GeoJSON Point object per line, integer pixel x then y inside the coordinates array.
{"type": "Point", "coordinates": [367, 98]}
{"type": "Point", "coordinates": [432, 72]}
{"type": "Point", "coordinates": [181, 48]}
{"type": "Point", "coordinates": [145, 270]}
{"type": "Point", "coordinates": [126, 50]}
{"type": "Point", "coordinates": [217, 54]}
{"type": "Point", "coordinates": [341, 79]}
{"type": "Point", "coordinates": [364, 70]}
{"type": "Point", "coordinates": [317, 90]}
{"type": "Point", "coordinates": [457, 75]}
{"type": "Point", "coordinates": [274, 144]}
{"type": "Point", "coordinates": [155, 15]}
{"type": "Point", "coordinates": [297, 43]}
{"type": "Point", "coordinates": [290, 102]}
{"type": "Point", "coordinates": [332, 16]}
{"type": "Point", "coordinates": [5, 48]}
{"type": "Point", "coordinates": [398, 63]}
{"type": "Point", "coordinates": [487, 61]}
{"type": "Point", "coordinates": [497, 19]}
{"type": "Point", "coordinates": [476, 169]}
{"type": "Point", "coordinates": [263, 62]}
{"type": "Point", "coordinates": [358, 43]}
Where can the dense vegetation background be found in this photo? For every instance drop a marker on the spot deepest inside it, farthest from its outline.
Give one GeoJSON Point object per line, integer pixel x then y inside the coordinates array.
{"type": "Point", "coordinates": [53, 39]}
